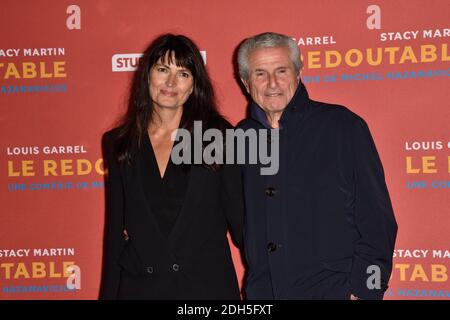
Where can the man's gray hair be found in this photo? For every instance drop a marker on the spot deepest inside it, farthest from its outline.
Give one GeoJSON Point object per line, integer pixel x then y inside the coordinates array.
{"type": "Point", "coordinates": [266, 40]}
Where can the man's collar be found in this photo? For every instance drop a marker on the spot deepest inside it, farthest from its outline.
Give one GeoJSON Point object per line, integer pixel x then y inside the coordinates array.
{"type": "Point", "coordinates": [298, 103]}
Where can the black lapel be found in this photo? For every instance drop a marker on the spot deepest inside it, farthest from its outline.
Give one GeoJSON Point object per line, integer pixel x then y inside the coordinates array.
{"type": "Point", "coordinates": [143, 172]}
{"type": "Point", "coordinates": [145, 163]}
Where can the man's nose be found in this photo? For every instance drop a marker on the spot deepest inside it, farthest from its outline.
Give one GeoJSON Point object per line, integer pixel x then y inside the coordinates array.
{"type": "Point", "coordinates": [272, 81]}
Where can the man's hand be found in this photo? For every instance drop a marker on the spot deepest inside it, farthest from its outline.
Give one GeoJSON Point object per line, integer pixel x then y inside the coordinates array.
{"type": "Point", "coordinates": [352, 297]}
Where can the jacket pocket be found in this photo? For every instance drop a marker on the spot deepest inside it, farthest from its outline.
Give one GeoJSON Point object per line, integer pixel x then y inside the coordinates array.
{"type": "Point", "coordinates": [130, 261]}
{"type": "Point", "coordinates": [339, 265]}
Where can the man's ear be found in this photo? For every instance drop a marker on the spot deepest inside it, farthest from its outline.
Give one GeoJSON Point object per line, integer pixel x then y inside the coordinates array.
{"type": "Point", "coordinates": [299, 75]}
{"type": "Point", "coordinates": [245, 84]}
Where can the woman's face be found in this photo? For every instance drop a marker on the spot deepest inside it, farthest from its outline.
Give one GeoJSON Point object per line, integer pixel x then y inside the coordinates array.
{"type": "Point", "coordinates": [170, 86]}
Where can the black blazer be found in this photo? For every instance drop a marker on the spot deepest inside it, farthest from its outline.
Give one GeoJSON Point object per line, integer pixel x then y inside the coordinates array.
{"type": "Point", "coordinates": [194, 262]}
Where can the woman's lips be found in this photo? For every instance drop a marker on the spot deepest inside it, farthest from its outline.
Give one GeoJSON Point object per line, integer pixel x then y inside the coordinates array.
{"type": "Point", "coordinates": [169, 93]}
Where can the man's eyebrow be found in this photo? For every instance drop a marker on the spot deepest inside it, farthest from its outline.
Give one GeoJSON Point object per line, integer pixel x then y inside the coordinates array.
{"type": "Point", "coordinates": [278, 68]}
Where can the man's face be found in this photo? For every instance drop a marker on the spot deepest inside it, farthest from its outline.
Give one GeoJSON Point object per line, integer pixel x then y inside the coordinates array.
{"type": "Point", "coordinates": [272, 80]}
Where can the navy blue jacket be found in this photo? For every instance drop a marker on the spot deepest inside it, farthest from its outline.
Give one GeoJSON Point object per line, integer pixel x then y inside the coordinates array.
{"type": "Point", "coordinates": [313, 229]}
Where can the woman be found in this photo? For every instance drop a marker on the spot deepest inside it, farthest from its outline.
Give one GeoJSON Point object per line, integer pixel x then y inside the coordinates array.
{"type": "Point", "coordinates": [166, 226]}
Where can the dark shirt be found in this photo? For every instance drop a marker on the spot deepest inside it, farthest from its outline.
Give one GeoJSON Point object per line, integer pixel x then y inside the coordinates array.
{"type": "Point", "coordinates": [165, 195]}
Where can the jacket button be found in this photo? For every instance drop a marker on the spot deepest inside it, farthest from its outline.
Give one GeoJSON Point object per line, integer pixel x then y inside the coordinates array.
{"type": "Point", "coordinates": [150, 270]}
{"type": "Point", "coordinates": [175, 267]}
{"type": "Point", "coordinates": [126, 237]}
{"type": "Point", "coordinates": [270, 192]}
{"type": "Point", "coordinates": [271, 247]}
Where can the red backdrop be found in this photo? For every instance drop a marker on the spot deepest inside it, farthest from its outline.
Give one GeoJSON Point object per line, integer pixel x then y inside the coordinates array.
{"type": "Point", "coordinates": [388, 63]}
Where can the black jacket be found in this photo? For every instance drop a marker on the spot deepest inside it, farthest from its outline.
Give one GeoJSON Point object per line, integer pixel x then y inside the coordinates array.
{"type": "Point", "coordinates": [314, 228]}
{"type": "Point", "coordinates": [194, 262]}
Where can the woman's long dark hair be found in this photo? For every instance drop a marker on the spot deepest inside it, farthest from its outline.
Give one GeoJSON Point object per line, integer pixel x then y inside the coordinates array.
{"type": "Point", "coordinates": [200, 106]}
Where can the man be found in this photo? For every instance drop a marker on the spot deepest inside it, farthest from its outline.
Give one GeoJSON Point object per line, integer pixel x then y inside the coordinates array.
{"type": "Point", "coordinates": [322, 227]}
